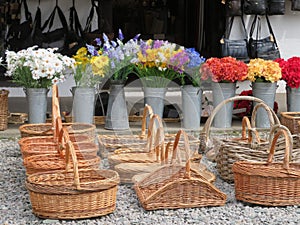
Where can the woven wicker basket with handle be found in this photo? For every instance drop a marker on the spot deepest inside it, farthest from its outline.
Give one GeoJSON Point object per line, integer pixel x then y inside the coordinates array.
{"type": "Point", "coordinates": [110, 142]}
{"type": "Point", "coordinates": [269, 183]}
{"type": "Point", "coordinates": [73, 193]}
{"type": "Point", "coordinates": [176, 185]}
{"type": "Point", "coordinates": [290, 120]}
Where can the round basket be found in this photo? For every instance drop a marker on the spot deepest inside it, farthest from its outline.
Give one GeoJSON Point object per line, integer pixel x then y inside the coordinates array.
{"type": "Point", "coordinates": [73, 193]}
{"type": "Point", "coordinates": [46, 129]}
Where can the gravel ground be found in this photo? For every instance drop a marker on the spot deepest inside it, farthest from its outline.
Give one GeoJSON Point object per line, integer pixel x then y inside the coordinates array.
{"type": "Point", "coordinates": [15, 205]}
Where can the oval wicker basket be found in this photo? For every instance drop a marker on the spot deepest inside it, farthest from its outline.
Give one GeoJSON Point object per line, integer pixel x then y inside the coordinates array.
{"type": "Point", "coordinates": [269, 183]}
{"type": "Point", "coordinates": [73, 194]}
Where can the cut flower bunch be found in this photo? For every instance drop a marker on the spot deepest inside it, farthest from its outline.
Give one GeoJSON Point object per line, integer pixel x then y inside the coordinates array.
{"type": "Point", "coordinates": [122, 56]}
{"type": "Point", "coordinates": [226, 69]}
{"type": "Point", "coordinates": [260, 70]}
{"type": "Point", "coordinates": [37, 67]}
{"type": "Point", "coordinates": [192, 69]}
{"type": "Point", "coordinates": [290, 70]}
{"type": "Point", "coordinates": [160, 62]}
{"type": "Point", "coordinates": [91, 66]}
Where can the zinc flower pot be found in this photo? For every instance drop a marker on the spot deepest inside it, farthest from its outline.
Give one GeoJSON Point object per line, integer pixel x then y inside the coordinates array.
{"type": "Point", "coordinates": [155, 98]}
{"type": "Point", "coordinates": [293, 99]}
{"type": "Point", "coordinates": [266, 91]}
{"type": "Point", "coordinates": [220, 92]}
{"type": "Point", "coordinates": [37, 104]}
{"type": "Point", "coordinates": [83, 104]}
{"type": "Point", "coordinates": [191, 106]}
{"type": "Point", "coordinates": [117, 115]}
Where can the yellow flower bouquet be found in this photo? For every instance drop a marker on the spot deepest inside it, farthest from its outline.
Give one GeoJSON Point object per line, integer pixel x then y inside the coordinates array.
{"type": "Point", "coordinates": [91, 66]}
{"type": "Point", "coordinates": [261, 70]}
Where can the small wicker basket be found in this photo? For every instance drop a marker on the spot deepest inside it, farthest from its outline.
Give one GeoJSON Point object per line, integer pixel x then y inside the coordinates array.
{"type": "Point", "coordinates": [177, 186]}
{"type": "Point", "coordinates": [3, 109]}
{"type": "Point", "coordinates": [269, 183]}
{"type": "Point", "coordinates": [73, 194]}
{"type": "Point", "coordinates": [290, 120]}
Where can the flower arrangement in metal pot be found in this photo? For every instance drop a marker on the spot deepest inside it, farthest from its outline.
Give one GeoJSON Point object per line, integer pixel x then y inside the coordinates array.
{"type": "Point", "coordinates": [160, 62]}
{"type": "Point", "coordinates": [37, 67]}
{"type": "Point", "coordinates": [226, 69]}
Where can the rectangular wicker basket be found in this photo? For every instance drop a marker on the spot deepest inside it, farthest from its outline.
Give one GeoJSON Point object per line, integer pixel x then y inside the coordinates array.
{"type": "Point", "coordinates": [290, 120]}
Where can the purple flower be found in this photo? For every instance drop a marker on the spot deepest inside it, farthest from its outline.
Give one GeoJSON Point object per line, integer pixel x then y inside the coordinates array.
{"type": "Point", "coordinates": [158, 44]}
{"type": "Point", "coordinates": [98, 41]}
{"type": "Point", "coordinates": [92, 50]}
{"type": "Point", "coordinates": [121, 36]}
{"type": "Point", "coordinates": [136, 37]}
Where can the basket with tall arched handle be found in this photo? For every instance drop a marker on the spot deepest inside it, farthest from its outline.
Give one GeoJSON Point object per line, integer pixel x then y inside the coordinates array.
{"type": "Point", "coordinates": [252, 147]}
{"type": "Point", "coordinates": [177, 185]}
{"type": "Point", "coordinates": [270, 183]}
{"type": "Point", "coordinates": [73, 192]}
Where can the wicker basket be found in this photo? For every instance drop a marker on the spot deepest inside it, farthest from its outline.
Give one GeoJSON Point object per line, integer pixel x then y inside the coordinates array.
{"type": "Point", "coordinates": [290, 120]}
{"type": "Point", "coordinates": [110, 142]}
{"type": "Point", "coordinates": [269, 183]}
{"type": "Point", "coordinates": [98, 120]}
{"type": "Point", "coordinates": [177, 186]}
{"type": "Point", "coordinates": [3, 109]}
{"type": "Point", "coordinates": [46, 129]}
{"type": "Point", "coordinates": [82, 149]}
{"type": "Point", "coordinates": [77, 194]}
{"type": "Point", "coordinates": [253, 147]}
{"type": "Point", "coordinates": [17, 118]}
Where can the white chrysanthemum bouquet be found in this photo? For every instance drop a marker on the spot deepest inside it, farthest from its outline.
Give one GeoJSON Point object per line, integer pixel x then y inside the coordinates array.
{"type": "Point", "coordinates": [37, 67]}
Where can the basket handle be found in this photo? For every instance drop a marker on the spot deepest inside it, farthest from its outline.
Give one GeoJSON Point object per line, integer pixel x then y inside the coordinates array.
{"type": "Point", "coordinates": [151, 131]}
{"type": "Point", "coordinates": [55, 110]}
{"type": "Point", "coordinates": [273, 118]}
{"type": "Point", "coordinates": [281, 130]}
{"type": "Point", "coordinates": [205, 133]}
{"type": "Point", "coordinates": [246, 124]}
{"type": "Point", "coordinates": [148, 111]}
{"type": "Point", "coordinates": [70, 154]}
{"type": "Point", "coordinates": [175, 155]}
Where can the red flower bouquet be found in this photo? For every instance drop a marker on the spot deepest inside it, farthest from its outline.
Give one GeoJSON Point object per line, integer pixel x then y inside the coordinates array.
{"type": "Point", "coordinates": [226, 69]}
{"type": "Point", "coordinates": [290, 70]}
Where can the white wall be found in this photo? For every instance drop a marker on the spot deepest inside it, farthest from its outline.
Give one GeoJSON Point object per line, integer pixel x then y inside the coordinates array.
{"type": "Point", "coordinates": [285, 27]}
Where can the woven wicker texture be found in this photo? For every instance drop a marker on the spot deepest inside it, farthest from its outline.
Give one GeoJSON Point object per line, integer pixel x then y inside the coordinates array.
{"type": "Point", "coordinates": [150, 153]}
{"type": "Point", "coordinates": [110, 142]}
{"type": "Point", "coordinates": [253, 147]}
{"type": "Point", "coordinates": [73, 194]}
{"type": "Point", "coordinates": [177, 186]}
{"type": "Point", "coordinates": [269, 183]}
{"type": "Point", "coordinates": [3, 109]}
{"type": "Point", "coordinates": [290, 120]}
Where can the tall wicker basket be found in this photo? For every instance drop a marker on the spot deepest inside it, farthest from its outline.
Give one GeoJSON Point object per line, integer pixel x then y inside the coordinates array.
{"type": "Point", "coordinates": [3, 109]}
{"type": "Point", "coordinates": [73, 194]}
{"type": "Point", "coordinates": [269, 183]}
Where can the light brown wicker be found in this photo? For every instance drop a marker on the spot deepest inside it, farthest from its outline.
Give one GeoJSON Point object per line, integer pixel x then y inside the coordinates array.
{"type": "Point", "coordinates": [110, 142]}
{"type": "Point", "coordinates": [177, 186]}
{"type": "Point", "coordinates": [290, 120]}
{"type": "Point", "coordinates": [269, 183]}
{"type": "Point", "coordinates": [56, 160]}
{"type": "Point", "coordinates": [77, 194]}
{"type": "Point", "coordinates": [150, 153]}
{"type": "Point", "coordinates": [253, 147]}
{"type": "Point", "coordinates": [3, 109]}
{"type": "Point", "coordinates": [17, 118]}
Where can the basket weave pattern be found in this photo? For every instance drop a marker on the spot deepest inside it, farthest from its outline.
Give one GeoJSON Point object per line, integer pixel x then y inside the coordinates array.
{"type": "Point", "coordinates": [290, 120]}
{"type": "Point", "coordinates": [269, 183]}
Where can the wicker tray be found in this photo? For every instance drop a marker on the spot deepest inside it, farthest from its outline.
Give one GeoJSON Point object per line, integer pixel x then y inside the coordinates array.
{"type": "Point", "coordinates": [77, 194]}
{"type": "Point", "coordinates": [17, 118]}
{"type": "Point", "coordinates": [3, 109]}
{"type": "Point", "coordinates": [177, 186]}
{"type": "Point", "coordinates": [269, 183]}
{"type": "Point", "coordinates": [290, 120]}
